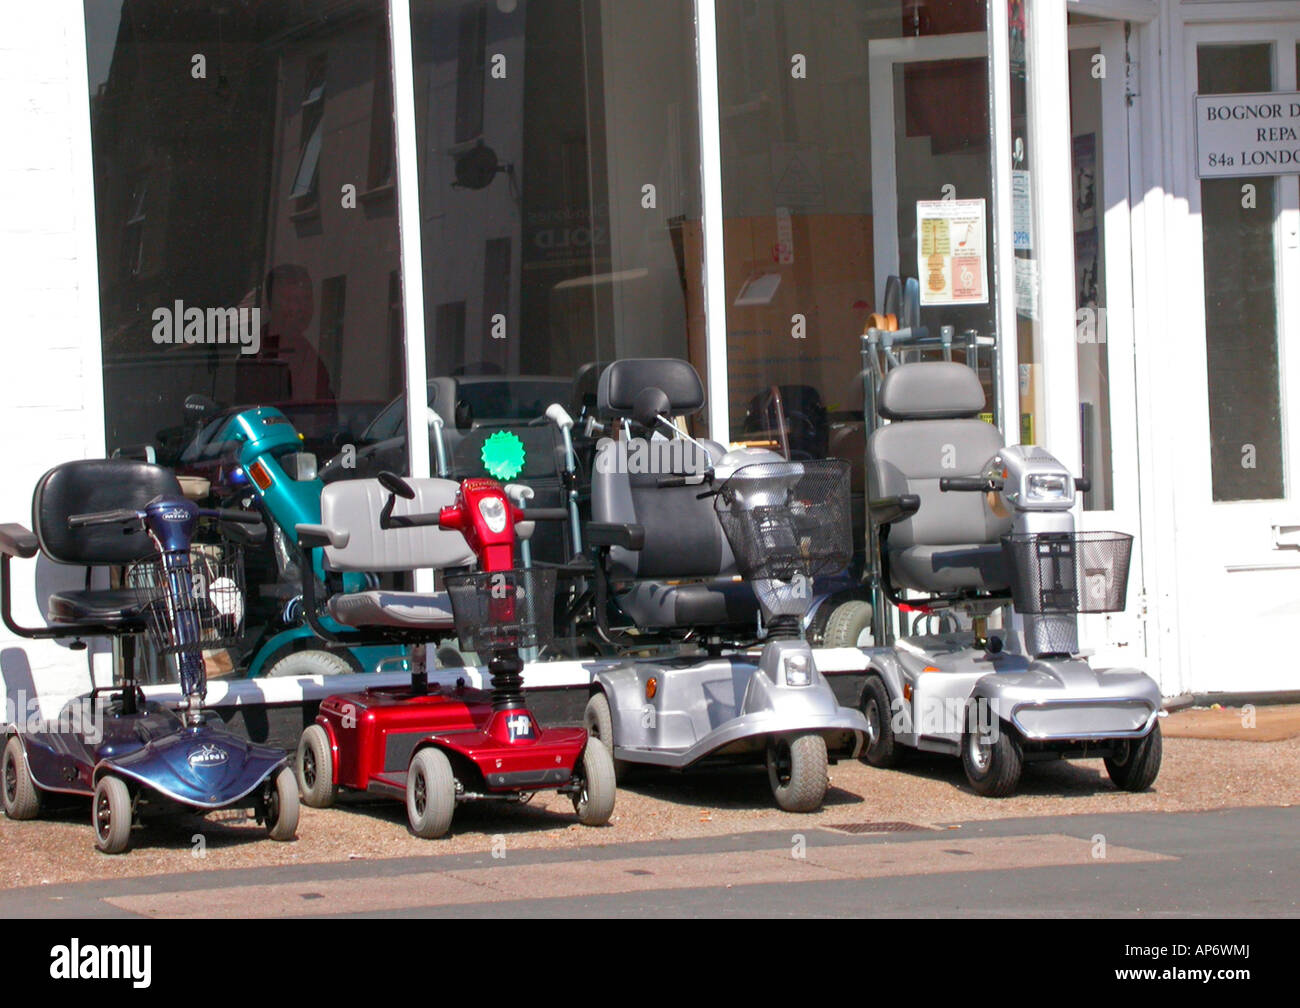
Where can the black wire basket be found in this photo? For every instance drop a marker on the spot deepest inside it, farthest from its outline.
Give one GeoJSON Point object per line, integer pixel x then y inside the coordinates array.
{"type": "Point", "coordinates": [787, 519]}
{"type": "Point", "coordinates": [1068, 572]}
{"type": "Point", "coordinates": [197, 605]}
{"type": "Point", "coordinates": [503, 610]}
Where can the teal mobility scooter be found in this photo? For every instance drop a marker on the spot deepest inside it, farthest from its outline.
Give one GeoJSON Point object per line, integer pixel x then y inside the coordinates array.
{"type": "Point", "coordinates": [964, 530]}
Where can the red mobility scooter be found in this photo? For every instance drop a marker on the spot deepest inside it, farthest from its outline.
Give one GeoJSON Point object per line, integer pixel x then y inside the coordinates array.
{"type": "Point", "coordinates": [430, 745]}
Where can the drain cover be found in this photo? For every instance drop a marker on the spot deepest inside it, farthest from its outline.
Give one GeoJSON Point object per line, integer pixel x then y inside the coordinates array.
{"type": "Point", "coordinates": [877, 827]}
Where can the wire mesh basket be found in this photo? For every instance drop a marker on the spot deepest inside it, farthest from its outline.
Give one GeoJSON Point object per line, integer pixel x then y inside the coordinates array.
{"type": "Point", "coordinates": [787, 519]}
{"type": "Point", "coordinates": [192, 604]}
{"type": "Point", "coordinates": [1068, 572]}
{"type": "Point", "coordinates": [502, 610]}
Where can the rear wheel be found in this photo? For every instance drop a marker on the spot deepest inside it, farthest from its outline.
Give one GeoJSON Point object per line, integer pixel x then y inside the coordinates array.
{"type": "Point", "coordinates": [598, 719]}
{"type": "Point", "coordinates": [991, 757]}
{"type": "Point", "coordinates": [22, 799]}
{"type": "Point", "coordinates": [309, 662]}
{"type": "Point", "coordinates": [282, 805]}
{"type": "Point", "coordinates": [430, 794]}
{"type": "Point", "coordinates": [111, 815]}
{"type": "Point", "coordinates": [1136, 763]}
{"type": "Point", "coordinates": [847, 623]}
{"type": "Point", "coordinates": [314, 768]}
{"type": "Point", "coordinates": [594, 801]}
{"type": "Point", "coordinates": [883, 750]}
{"type": "Point", "coordinates": [796, 769]}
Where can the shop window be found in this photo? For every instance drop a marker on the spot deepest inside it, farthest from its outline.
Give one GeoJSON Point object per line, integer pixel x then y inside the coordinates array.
{"type": "Point", "coordinates": [312, 135]}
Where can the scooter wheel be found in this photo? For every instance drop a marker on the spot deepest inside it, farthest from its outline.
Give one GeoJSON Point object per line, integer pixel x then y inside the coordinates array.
{"type": "Point", "coordinates": [883, 750]}
{"type": "Point", "coordinates": [847, 623]}
{"type": "Point", "coordinates": [111, 815]}
{"type": "Point", "coordinates": [599, 722]}
{"type": "Point", "coordinates": [22, 799]}
{"type": "Point", "coordinates": [282, 806]}
{"type": "Point", "coordinates": [992, 760]}
{"type": "Point", "coordinates": [430, 794]}
{"type": "Point", "coordinates": [314, 768]}
{"type": "Point", "coordinates": [1136, 763]}
{"type": "Point", "coordinates": [594, 801]}
{"type": "Point", "coordinates": [796, 769]}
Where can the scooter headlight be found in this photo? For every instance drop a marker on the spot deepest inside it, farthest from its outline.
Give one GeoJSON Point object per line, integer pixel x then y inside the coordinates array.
{"type": "Point", "coordinates": [798, 670]}
{"type": "Point", "coordinates": [493, 510]}
{"type": "Point", "coordinates": [1047, 487]}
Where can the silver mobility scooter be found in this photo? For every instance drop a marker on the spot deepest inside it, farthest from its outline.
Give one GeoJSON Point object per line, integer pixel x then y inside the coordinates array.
{"type": "Point", "coordinates": [701, 516]}
{"type": "Point", "coordinates": [971, 545]}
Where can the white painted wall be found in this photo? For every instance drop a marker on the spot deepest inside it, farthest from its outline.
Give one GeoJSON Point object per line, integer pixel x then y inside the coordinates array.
{"type": "Point", "coordinates": [51, 400]}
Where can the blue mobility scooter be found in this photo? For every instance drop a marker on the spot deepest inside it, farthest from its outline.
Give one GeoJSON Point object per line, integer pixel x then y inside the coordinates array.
{"type": "Point", "coordinates": [132, 756]}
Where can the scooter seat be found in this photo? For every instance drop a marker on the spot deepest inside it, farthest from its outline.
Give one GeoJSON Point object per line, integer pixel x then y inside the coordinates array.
{"type": "Point", "coordinates": [949, 568]}
{"type": "Point", "coordinates": [410, 610]}
{"type": "Point", "coordinates": [718, 603]}
{"type": "Point", "coordinates": [122, 607]}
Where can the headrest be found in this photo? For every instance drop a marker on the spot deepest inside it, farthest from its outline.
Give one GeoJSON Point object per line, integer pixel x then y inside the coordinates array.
{"type": "Point", "coordinates": [89, 485]}
{"type": "Point", "coordinates": [930, 390]}
{"type": "Point", "coordinates": [622, 380]}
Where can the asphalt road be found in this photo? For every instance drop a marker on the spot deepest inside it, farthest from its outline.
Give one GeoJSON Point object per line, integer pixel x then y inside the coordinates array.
{"type": "Point", "coordinates": [1229, 863]}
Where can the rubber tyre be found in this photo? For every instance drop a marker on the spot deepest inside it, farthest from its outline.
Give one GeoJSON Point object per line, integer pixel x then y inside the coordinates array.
{"type": "Point", "coordinates": [594, 804]}
{"type": "Point", "coordinates": [430, 794]}
{"type": "Point", "coordinates": [847, 622]}
{"type": "Point", "coordinates": [599, 722]}
{"type": "Point", "coordinates": [314, 768]}
{"type": "Point", "coordinates": [22, 799]}
{"type": "Point", "coordinates": [796, 770]}
{"type": "Point", "coordinates": [311, 661]}
{"type": "Point", "coordinates": [1137, 767]}
{"type": "Point", "coordinates": [884, 751]}
{"type": "Point", "coordinates": [282, 806]}
{"type": "Point", "coordinates": [110, 815]}
{"type": "Point", "coordinates": [993, 769]}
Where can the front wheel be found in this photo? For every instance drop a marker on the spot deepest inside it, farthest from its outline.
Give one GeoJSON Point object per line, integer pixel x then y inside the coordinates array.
{"type": "Point", "coordinates": [111, 815]}
{"type": "Point", "coordinates": [991, 757]}
{"type": "Point", "coordinates": [314, 768]}
{"type": "Point", "coordinates": [281, 811]}
{"type": "Point", "coordinates": [599, 722]}
{"type": "Point", "coordinates": [1136, 763]}
{"type": "Point", "coordinates": [883, 750]}
{"type": "Point", "coordinates": [22, 799]}
{"type": "Point", "coordinates": [796, 769]}
{"type": "Point", "coordinates": [430, 794]}
{"type": "Point", "coordinates": [594, 801]}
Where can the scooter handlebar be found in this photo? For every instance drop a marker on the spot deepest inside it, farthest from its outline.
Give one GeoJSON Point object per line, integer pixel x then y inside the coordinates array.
{"type": "Point", "coordinates": [546, 514]}
{"type": "Point", "coordinates": [119, 516]}
{"type": "Point", "coordinates": [975, 484]}
{"type": "Point", "coordinates": [234, 515]}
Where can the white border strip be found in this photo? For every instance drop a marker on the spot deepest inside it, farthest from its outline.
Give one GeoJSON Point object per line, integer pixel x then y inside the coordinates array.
{"type": "Point", "coordinates": [1004, 254]}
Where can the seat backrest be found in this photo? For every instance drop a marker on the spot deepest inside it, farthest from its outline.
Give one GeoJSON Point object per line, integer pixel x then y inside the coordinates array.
{"type": "Point", "coordinates": [89, 485]}
{"type": "Point", "coordinates": [354, 505]}
{"type": "Point", "coordinates": [935, 432]}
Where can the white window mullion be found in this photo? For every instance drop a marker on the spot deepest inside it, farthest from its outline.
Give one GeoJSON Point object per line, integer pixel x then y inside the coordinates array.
{"type": "Point", "coordinates": [715, 276]}
{"type": "Point", "coordinates": [1004, 250]}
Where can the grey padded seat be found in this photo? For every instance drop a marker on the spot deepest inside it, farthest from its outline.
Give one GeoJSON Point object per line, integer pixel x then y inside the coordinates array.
{"type": "Point", "coordinates": [684, 575]}
{"type": "Point", "coordinates": [353, 506]}
{"type": "Point", "coordinates": [953, 542]}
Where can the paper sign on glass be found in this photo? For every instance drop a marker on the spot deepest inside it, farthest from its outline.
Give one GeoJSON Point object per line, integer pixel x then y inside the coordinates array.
{"type": "Point", "coordinates": [950, 254]}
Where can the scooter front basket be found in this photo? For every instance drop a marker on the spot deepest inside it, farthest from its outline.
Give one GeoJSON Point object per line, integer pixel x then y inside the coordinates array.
{"type": "Point", "coordinates": [1068, 572]}
{"type": "Point", "coordinates": [787, 519]}
{"type": "Point", "coordinates": [196, 604]}
{"type": "Point", "coordinates": [503, 610]}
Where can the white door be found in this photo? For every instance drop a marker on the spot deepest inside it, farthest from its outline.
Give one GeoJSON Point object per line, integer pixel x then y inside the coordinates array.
{"type": "Point", "coordinates": [1099, 121]}
{"type": "Point", "coordinates": [1238, 511]}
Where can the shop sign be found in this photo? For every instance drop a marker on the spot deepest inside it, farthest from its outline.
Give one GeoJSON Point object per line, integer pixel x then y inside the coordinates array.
{"type": "Point", "coordinates": [1240, 135]}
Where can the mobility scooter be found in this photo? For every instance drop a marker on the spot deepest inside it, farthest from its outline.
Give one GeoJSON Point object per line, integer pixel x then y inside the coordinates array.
{"type": "Point", "coordinates": [706, 518]}
{"type": "Point", "coordinates": [429, 745]}
{"type": "Point", "coordinates": [964, 527]}
{"type": "Point", "coordinates": [128, 754]}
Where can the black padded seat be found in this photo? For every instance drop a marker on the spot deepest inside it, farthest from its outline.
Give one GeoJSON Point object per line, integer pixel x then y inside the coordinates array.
{"type": "Point", "coordinates": [118, 607]}
{"type": "Point", "coordinates": [713, 604]}
{"type": "Point", "coordinates": [407, 610]}
{"type": "Point", "coordinates": [950, 568]}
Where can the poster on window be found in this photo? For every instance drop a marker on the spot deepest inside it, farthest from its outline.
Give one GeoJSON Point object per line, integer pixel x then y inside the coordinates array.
{"type": "Point", "coordinates": [951, 259]}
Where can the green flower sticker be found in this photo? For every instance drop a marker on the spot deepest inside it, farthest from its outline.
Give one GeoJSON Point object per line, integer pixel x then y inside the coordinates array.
{"type": "Point", "coordinates": [503, 455]}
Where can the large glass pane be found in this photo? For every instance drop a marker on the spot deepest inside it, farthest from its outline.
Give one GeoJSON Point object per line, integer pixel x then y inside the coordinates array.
{"type": "Point", "coordinates": [247, 230]}
{"type": "Point", "coordinates": [1241, 310]}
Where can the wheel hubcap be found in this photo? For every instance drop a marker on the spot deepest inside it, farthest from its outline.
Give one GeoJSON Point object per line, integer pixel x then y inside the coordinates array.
{"type": "Point", "coordinates": [873, 719]}
{"type": "Point", "coordinates": [781, 761]}
{"type": "Point", "coordinates": [309, 769]}
{"type": "Point", "coordinates": [420, 795]}
{"type": "Point", "coordinates": [103, 815]}
{"type": "Point", "coordinates": [11, 781]}
{"type": "Point", "coordinates": [981, 751]}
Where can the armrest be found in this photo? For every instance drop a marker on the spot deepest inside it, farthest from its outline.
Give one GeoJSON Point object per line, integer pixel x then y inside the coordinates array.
{"type": "Point", "coordinates": [886, 510]}
{"type": "Point", "coordinates": [16, 540]}
{"type": "Point", "coordinates": [310, 536]}
{"type": "Point", "coordinates": [628, 536]}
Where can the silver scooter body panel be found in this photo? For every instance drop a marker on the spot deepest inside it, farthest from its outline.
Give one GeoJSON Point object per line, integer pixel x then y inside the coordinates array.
{"type": "Point", "coordinates": [731, 705]}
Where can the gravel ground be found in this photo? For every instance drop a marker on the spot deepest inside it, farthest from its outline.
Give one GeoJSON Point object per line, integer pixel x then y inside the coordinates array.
{"type": "Point", "coordinates": [1197, 774]}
